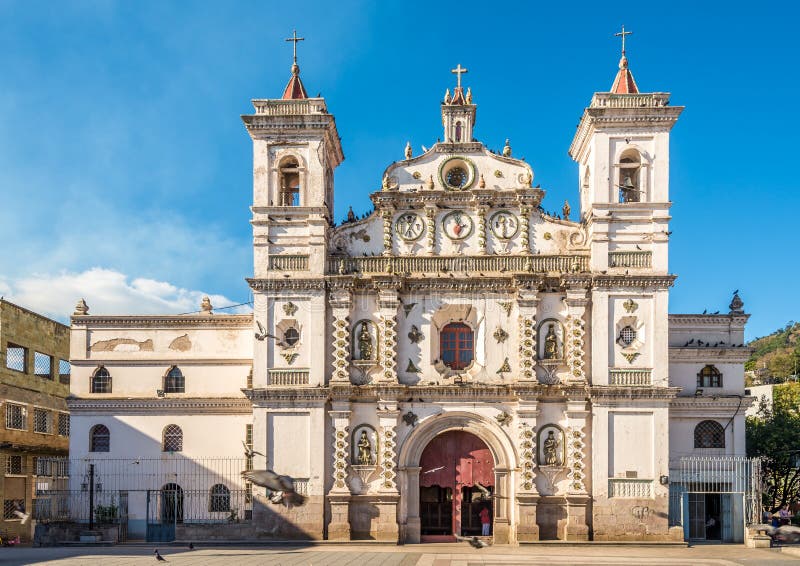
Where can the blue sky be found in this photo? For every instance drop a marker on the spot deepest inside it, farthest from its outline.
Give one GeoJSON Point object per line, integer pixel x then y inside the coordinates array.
{"type": "Point", "coordinates": [126, 173]}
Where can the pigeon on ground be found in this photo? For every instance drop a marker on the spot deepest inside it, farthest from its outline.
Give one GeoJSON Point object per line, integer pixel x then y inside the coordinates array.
{"type": "Point", "coordinates": [191, 546]}
{"type": "Point", "coordinates": [159, 558]}
{"type": "Point", "coordinates": [474, 542]}
{"type": "Point", "coordinates": [282, 487]}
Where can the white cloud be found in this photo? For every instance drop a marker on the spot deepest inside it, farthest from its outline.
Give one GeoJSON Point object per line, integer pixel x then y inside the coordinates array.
{"type": "Point", "coordinates": [106, 291]}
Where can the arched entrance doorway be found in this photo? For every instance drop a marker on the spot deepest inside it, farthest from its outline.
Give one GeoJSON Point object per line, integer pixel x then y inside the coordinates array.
{"type": "Point", "coordinates": [456, 484]}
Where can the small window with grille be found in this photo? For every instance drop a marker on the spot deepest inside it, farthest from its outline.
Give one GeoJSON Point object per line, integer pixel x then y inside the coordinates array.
{"type": "Point", "coordinates": [42, 421]}
{"type": "Point", "coordinates": [101, 381]}
{"type": "Point", "coordinates": [64, 371]}
{"type": "Point", "coordinates": [627, 335]}
{"type": "Point", "coordinates": [43, 466]}
{"type": "Point", "coordinates": [174, 382]}
{"type": "Point", "coordinates": [173, 438]}
{"type": "Point", "coordinates": [63, 424]}
{"type": "Point", "coordinates": [219, 498]}
{"type": "Point", "coordinates": [14, 464]}
{"type": "Point", "coordinates": [16, 416]}
{"type": "Point", "coordinates": [248, 440]}
{"type": "Point", "coordinates": [42, 365]}
{"type": "Point", "coordinates": [709, 434]}
{"type": "Point", "coordinates": [291, 336]}
{"type": "Point", "coordinates": [11, 507]}
{"type": "Point", "coordinates": [709, 376]}
{"type": "Point", "coordinates": [100, 439]}
{"type": "Point", "coordinates": [15, 357]}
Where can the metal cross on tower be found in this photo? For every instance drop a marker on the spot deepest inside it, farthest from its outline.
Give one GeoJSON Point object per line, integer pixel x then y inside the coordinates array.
{"type": "Point", "coordinates": [459, 70]}
{"type": "Point", "coordinates": [622, 34]}
{"type": "Point", "coordinates": [295, 39]}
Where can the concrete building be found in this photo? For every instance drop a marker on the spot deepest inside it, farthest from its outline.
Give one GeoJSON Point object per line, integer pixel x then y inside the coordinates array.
{"type": "Point", "coordinates": [457, 350]}
{"type": "Point", "coordinates": [34, 382]}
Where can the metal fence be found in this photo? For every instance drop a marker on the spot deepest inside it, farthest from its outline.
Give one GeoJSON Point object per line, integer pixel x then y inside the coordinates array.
{"type": "Point", "coordinates": [716, 475]}
{"type": "Point", "coordinates": [199, 506]}
{"type": "Point", "coordinates": [66, 505]}
{"type": "Point", "coordinates": [139, 474]}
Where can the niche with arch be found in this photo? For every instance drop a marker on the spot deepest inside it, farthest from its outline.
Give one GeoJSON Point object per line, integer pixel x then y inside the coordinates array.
{"type": "Point", "coordinates": [629, 176]}
{"type": "Point", "coordinates": [550, 335]}
{"type": "Point", "coordinates": [289, 181]}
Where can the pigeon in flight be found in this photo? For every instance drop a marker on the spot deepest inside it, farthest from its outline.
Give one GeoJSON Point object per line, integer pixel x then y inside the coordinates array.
{"type": "Point", "coordinates": [20, 513]}
{"type": "Point", "coordinates": [474, 542]}
{"type": "Point", "coordinates": [249, 452]}
{"type": "Point", "coordinates": [159, 558]}
{"type": "Point", "coordinates": [281, 487]}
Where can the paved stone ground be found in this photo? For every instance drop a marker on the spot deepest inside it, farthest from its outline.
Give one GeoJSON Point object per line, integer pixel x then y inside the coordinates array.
{"type": "Point", "coordinates": [409, 555]}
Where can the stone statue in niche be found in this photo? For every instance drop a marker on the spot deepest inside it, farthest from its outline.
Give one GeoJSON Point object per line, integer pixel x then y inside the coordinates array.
{"type": "Point", "coordinates": [366, 349]}
{"type": "Point", "coordinates": [551, 450]}
{"type": "Point", "coordinates": [551, 343]}
{"type": "Point", "coordinates": [364, 450]}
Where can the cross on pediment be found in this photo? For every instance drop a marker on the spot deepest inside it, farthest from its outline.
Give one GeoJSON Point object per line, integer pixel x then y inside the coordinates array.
{"type": "Point", "coordinates": [295, 39]}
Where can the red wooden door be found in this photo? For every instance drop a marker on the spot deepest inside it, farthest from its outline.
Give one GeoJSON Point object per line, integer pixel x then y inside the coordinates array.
{"type": "Point", "coordinates": [456, 460]}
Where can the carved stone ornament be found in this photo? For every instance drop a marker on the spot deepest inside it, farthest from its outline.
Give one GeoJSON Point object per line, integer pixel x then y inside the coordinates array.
{"type": "Point", "coordinates": [505, 368]}
{"type": "Point", "coordinates": [290, 357]}
{"type": "Point", "coordinates": [504, 224]}
{"type": "Point", "coordinates": [415, 335]}
{"type": "Point", "coordinates": [81, 309]}
{"type": "Point", "coordinates": [631, 357]}
{"type": "Point", "coordinates": [504, 419]}
{"type": "Point", "coordinates": [550, 474]}
{"type": "Point", "coordinates": [457, 225]}
{"type": "Point", "coordinates": [416, 175]}
{"type": "Point", "coordinates": [411, 368]}
{"type": "Point", "coordinates": [290, 308]}
{"type": "Point", "coordinates": [506, 306]}
{"type": "Point", "coordinates": [549, 375]}
{"type": "Point", "coordinates": [737, 304]}
{"type": "Point", "coordinates": [630, 306]}
{"type": "Point", "coordinates": [498, 173]}
{"type": "Point", "coordinates": [409, 226]}
{"type": "Point", "coordinates": [500, 335]}
{"type": "Point", "coordinates": [408, 308]}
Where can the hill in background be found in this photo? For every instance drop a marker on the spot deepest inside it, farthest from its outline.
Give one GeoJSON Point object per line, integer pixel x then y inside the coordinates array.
{"type": "Point", "coordinates": [776, 356]}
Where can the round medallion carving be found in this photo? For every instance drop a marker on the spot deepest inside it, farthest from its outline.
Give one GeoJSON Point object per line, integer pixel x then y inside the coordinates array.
{"type": "Point", "coordinates": [457, 225]}
{"type": "Point", "coordinates": [504, 224]}
{"type": "Point", "coordinates": [409, 226]}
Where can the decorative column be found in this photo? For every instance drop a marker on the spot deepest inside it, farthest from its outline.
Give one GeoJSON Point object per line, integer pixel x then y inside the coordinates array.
{"type": "Point", "coordinates": [387, 215]}
{"type": "Point", "coordinates": [577, 300]}
{"type": "Point", "coordinates": [388, 303]}
{"type": "Point", "coordinates": [527, 299]}
{"type": "Point", "coordinates": [388, 494]}
{"type": "Point", "coordinates": [577, 495]}
{"type": "Point", "coordinates": [481, 230]}
{"type": "Point", "coordinates": [430, 214]}
{"type": "Point", "coordinates": [527, 494]}
{"type": "Point", "coordinates": [339, 494]}
{"type": "Point", "coordinates": [525, 228]}
{"type": "Point", "coordinates": [341, 302]}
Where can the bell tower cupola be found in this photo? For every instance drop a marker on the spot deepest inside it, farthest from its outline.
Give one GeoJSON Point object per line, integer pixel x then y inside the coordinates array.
{"type": "Point", "coordinates": [458, 112]}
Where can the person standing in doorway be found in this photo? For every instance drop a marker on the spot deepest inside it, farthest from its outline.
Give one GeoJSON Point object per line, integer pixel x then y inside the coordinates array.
{"type": "Point", "coordinates": [486, 521]}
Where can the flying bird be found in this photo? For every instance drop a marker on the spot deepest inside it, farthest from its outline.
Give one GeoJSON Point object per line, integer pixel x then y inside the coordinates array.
{"type": "Point", "coordinates": [249, 452]}
{"type": "Point", "coordinates": [474, 542]}
{"type": "Point", "coordinates": [20, 513]}
{"type": "Point", "coordinates": [281, 487]}
{"type": "Point", "coordinates": [159, 558]}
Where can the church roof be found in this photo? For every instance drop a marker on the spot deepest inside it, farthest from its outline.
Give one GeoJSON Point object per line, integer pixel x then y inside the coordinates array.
{"type": "Point", "coordinates": [294, 88]}
{"type": "Point", "coordinates": [624, 82]}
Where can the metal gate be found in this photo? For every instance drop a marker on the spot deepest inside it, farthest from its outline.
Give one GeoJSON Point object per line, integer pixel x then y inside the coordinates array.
{"type": "Point", "coordinates": [164, 512]}
{"type": "Point", "coordinates": [123, 517]}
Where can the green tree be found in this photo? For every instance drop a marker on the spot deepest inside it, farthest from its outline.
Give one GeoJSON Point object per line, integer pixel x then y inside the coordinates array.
{"type": "Point", "coordinates": [774, 437]}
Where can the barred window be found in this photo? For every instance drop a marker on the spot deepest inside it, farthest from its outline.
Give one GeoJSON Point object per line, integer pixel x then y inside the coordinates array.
{"type": "Point", "coordinates": [43, 466]}
{"type": "Point", "coordinates": [709, 434]}
{"type": "Point", "coordinates": [709, 376]}
{"type": "Point", "coordinates": [174, 381]}
{"type": "Point", "coordinates": [15, 357]}
{"type": "Point", "coordinates": [42, 421]}
{"type": "Point", "coordinates": [16, 416]}
{"type": "Point", "coordinates": [64, 371]}
{"type": "Point", "coordinates": [291, 336]}
{"type": "Point", "coordinates": [173, 438]}
{"type": "Point", "coordinates": [42, 365]}
{"type": "Point", "coordinates": [101, 381]}
{"type": "Point", "coordinates": [627, 335]}
{"type": "Point", "coordinates": [63, 424]}
{"type": "Point", "coordinates": [219, 498]}
{"type": "Point", "coordinates": [14, 464]}
{"type": "Point", "coordinates": [99, 439]}
{"type": "Point", "coordinates": [11, 507]}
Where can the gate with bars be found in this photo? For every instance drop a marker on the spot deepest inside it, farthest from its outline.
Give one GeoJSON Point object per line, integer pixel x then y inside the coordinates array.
{"type": "Point", "coordinates": [715, 497]}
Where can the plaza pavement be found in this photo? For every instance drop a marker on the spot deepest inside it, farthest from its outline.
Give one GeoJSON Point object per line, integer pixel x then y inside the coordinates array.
{"type": "Point", "coordinates": [408, 555]}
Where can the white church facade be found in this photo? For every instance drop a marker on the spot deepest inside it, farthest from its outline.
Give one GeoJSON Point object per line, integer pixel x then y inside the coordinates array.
{"type": "Point", "coordinates": [455, 355]}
